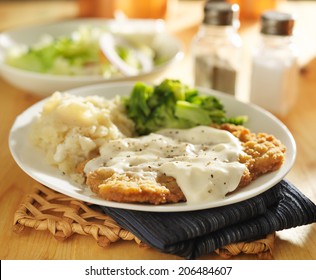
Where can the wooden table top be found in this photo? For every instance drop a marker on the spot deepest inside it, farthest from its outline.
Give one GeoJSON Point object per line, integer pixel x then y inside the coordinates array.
{"type": "Point", "coordinates": [297, 243]}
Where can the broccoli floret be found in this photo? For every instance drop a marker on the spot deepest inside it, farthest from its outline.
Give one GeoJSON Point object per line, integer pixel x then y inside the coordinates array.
{"type": "Point", "coordinates": [164, 117]}
{"type": "Point", "coordinates": [172, 104]}
{"type": "Point", "coordinates": [171, 87]}
{"type": "Point", "coordinates": [192, 112]}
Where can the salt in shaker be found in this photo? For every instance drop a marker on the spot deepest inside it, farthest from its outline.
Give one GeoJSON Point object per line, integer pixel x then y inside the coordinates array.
{"type": "Point", "coordinates": [275, 71]}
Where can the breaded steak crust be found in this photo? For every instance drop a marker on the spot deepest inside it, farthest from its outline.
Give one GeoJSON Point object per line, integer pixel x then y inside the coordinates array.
{"type": "Point", "coordinates": [262, 153]}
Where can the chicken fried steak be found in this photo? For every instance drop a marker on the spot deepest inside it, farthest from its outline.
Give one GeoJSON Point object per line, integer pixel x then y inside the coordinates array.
{"type": "Point", "coordinates": [261, 153]}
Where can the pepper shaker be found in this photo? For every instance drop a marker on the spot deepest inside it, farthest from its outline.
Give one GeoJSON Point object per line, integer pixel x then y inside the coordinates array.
{"type": "Point", "coordinates": [216, 48]}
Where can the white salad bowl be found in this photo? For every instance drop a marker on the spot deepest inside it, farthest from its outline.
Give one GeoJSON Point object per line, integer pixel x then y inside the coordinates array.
{"type": "Point", "coordinates": [150, 32]}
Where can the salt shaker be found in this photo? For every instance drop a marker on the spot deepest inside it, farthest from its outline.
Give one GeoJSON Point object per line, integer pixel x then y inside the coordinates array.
{"type": "Point", "coordinates": [216, 48]}
{"type": "Point", "coordinates": [275, 69]}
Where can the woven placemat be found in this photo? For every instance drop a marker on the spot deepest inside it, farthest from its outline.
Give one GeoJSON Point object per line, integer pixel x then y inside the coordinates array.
{"type": "Point", "coordinates": [63, 216]}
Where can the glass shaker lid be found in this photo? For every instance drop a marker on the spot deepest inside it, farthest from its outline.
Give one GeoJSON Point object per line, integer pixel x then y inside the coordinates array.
{"type": "Point", "coordinates": [221, 13]}
{"type": "Point", "coordinates": [277, 23]}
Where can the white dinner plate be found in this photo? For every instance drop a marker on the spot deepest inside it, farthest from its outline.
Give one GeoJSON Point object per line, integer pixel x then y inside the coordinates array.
{"type": "Point", "coordinates": [31, 159]}
{"type": "Point", "coordinates": [150, 32]}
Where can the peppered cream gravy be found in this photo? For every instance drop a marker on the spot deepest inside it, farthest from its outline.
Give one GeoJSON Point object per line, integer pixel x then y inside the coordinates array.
{"type": "Point", "coordinates": [203, 160]}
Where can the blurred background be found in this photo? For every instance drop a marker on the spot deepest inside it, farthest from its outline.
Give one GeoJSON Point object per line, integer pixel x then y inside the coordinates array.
{"type": "Point", "coordinates": [182, 19]}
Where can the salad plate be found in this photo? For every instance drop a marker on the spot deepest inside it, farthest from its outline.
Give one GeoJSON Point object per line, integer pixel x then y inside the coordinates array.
{"type": "Point", "coordinates": [31, 159]}
{"type": "Point", "coordinates": [28, 73]}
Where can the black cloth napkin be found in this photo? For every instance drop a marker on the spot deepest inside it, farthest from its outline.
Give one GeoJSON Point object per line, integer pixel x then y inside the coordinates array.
{"type": "Point", "coordinates": [196, 233]}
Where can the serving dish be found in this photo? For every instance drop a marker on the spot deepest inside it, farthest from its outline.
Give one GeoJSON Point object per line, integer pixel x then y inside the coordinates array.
{"type": "Point", "coordinates": [151, 32]}
{"type": "Point", "coordinates": [31, 160]}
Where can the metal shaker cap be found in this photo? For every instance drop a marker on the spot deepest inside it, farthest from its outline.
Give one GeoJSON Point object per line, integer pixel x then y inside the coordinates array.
{"type": "Point", "coordinates": [221, 13]}
{"type": "Point", "coordinates": [277, 23]}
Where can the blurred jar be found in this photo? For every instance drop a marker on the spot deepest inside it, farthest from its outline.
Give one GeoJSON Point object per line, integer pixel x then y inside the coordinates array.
{"type": "Point", "coordinates": [96, 8]}
{"type": "Point", "coordinates": [143, 9]}
{"type": "Point", "coordinates": [252, 9]}
{"type": "Point", "coordinates": [130, 8]}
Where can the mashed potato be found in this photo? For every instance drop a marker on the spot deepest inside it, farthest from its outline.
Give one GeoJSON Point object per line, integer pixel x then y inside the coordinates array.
{"type": "Point", "coordinates": [70, 129]}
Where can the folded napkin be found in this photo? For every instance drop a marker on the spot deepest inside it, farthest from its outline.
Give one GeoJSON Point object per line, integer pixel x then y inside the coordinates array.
{"type": "Point", "coordinates": [196, 233]}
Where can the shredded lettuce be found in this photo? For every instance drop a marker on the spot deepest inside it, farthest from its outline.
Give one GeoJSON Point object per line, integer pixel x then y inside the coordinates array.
{"type": "Point", "coordinates": [76, 54]}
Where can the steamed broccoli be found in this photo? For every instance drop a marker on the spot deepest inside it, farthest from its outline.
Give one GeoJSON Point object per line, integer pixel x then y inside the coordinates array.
{"type": "Point", "coordinates": [172, 104]}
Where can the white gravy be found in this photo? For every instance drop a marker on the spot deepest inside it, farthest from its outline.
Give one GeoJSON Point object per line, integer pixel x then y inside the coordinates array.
{"type": "Point", "coordinates": [203, 160]}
